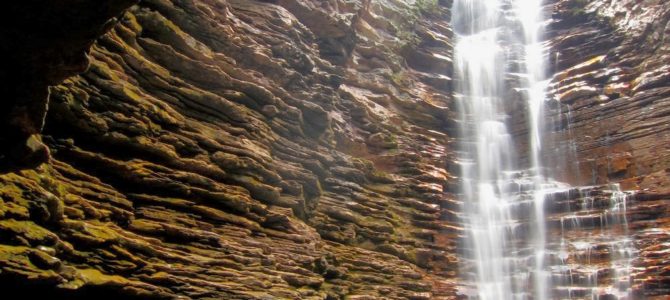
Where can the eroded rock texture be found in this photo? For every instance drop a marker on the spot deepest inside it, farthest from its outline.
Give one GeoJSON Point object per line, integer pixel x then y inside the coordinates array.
{"type": "Point", "coordinates": [611, 125]}
{"type": "Point", "coordinates": [42, 43]}
{"type": "Point", "coordinates": [243, 150]}
{"type": "Point", "coordinates": [295, 149]}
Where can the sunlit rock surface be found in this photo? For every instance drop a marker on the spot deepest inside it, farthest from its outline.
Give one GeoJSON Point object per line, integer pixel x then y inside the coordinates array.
{"type": "Point", "coordinates": [611, 124]}
{"type": "Point", "coordinates": [301, 149]}
{"type": "Point", "coordinates": [244, 150]}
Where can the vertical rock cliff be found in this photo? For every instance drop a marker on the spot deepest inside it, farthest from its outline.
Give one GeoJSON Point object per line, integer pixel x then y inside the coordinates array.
{"type": "Point", "coordinates": [242, 150]}
{"type": "Point", "coordinates": [612, 119]}
{"type": "Point", "coordinates": [291, 149]}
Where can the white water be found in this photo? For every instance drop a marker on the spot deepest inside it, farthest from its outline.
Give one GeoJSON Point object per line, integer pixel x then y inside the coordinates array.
{"type": "Point", "coordinates": [507, 251]}
{"type": "Point", "coordinates": [494, 39]}
{"type": "Point", "coordinates": [579, 278]}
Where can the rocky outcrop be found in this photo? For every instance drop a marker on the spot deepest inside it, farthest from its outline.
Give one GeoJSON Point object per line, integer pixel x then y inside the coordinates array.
{"type": "Point", "coordinates": [611, 85]}
{"type": "Point", "coordinates": [43, 43]}
{"type": "Point", "coordinates": [296, 149]}
{"type": "Point", "coordinates": [241, 150]}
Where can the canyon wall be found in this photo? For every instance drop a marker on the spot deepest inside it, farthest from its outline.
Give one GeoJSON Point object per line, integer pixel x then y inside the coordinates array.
{"type": "Point", "coordinates": [612, 121]}
{"type": "Point", "coordinates": [243, 150]}
{"type": "Point", "coordinates": [298, 149]}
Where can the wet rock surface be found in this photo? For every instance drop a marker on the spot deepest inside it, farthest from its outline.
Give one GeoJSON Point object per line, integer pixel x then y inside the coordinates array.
{"type": "Point", "coordinates": [610, 120]}
{"type": "Point", "coordinates": [299, 149]}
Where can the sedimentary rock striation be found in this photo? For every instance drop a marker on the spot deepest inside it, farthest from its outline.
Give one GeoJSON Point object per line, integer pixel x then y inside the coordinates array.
{"type": "Point", "coordinates": [290, 148]}
{"type": "Point", "coordinates": [42, 43]}
{"type": "Point", "coordinates": [242, 150]}
{"type": "Point", "coordinates": [611, 121]}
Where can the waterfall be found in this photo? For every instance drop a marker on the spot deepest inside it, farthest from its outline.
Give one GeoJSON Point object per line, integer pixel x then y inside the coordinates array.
{"type": "Point", "coordinates": [509, 200]}
{"type": "Point", "coordinates": [498, 49]}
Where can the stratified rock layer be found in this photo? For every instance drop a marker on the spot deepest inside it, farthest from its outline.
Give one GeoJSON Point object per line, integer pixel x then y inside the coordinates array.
{"type": "Point", "coordinates": [297, 149]}
{"type": "Point", "coordinates": [42, 44]}
{"type": "Point", "coordinates": [244, 150]}
{"type": "Point", "coordinates": [611, 124]}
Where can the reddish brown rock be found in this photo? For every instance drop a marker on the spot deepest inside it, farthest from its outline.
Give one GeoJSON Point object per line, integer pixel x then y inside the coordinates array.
{"type": "Point", "coordinates": [241, 150]}
{"type": "Point", "coordinates": [611, 62]}
{"type": "Point", "coordinates": [298, 149]}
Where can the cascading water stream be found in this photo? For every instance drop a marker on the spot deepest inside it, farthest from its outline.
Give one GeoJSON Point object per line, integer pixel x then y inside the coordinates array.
{"type": "Point", "coordinates": [496, 194]}
{"type": "Point", "coordinates": [509, 250]}
{"type": "Point", "coordinates": [532, 20]}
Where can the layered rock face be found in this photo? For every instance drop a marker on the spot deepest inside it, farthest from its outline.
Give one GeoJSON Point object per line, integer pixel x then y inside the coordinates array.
{"type": "Point", "coordinates": [610, 124]}
{"type": "Point", "coordinates": [294, 149]}
{"type": "Point", "coordinates": [42, 50]}
{"type": "Point", "coordinates": [244, 150]}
